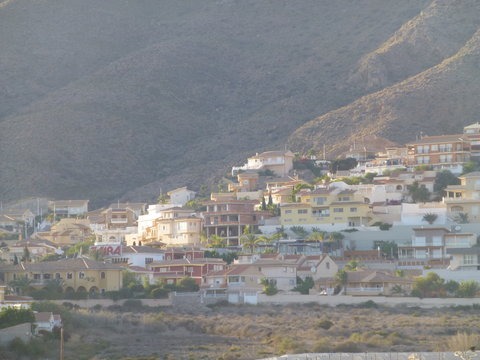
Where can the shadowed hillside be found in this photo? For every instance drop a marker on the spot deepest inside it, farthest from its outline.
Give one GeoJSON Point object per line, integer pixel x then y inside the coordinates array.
{"type": "Point", "coordinates": [99, 98]}
{"type": "Point", "coordinates": [439, 100]}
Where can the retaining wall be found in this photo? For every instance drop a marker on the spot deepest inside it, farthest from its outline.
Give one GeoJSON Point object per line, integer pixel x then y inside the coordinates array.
{"type": "Point", "coordinates": [284, 299]}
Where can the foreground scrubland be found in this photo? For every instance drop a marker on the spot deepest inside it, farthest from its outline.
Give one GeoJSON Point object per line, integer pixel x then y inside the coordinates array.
{"type": "Point", "coordinates": [225, 332]}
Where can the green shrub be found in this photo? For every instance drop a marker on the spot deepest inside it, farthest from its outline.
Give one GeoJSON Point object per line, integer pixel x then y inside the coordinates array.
{"type": "Point", "coordinates": [133, 304]}
{"type": "Point", "coordinates": [325, 324]}
{"type": "Point", "coordinates": [159, 293]}
{"type": "Point", "coordinates": [370, 304]}
{"type": "Point", "coordinates": [347, 347]}
{"type": "Point", "coordinates": [11, 317]}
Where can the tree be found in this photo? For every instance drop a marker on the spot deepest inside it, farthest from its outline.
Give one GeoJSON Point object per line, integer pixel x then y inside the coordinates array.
{"type": "Point", "coordinates": [341, 279]}
{"type": "Point", "coordinates": [270, 199]}
{"type": "Point", "coordinates": [26, 254]}
{"type": "Point", "coordinates": [163, 199]}
{"type": "Point", "coordinates": [299, 231]}
{"type": "Point", "coordinates": [15, 260]}
{"type": "Point", "coordinates": [249, 241]}
{"type": "Point", "coordinates": [21, 284]}
{"type": "Point", "coordinates": [353, 265]}
{"type": "Point", "coordinates": [442, 180]}
{"type": "Point", "coordinates": [468, 289]}
{"type": "Point", "coordinates": [269, 287]}
{"type": "Point", "coordinates": [304, 286]}
{"type": "Point", "coordinates": [264, 204]}
{"type": "Point", "coordinates": [462, 218]}
{"type": "Point", "coordinates": [430, 218]}
{"type": "Point", "coordinates": [431, 285]}
{"type": "Point", "coordinates": [451, 286]}
{"type": "Point", "coordinates": [11, 317]}
{"type": "Point", "coordinates": [216, 241]}
{"type": "Point", "coordinates": [342, 164]}
{"type": "Point", "coordinates": [470, 167]}
{"type": "Point", "coordinates": [387, 248]}
{"type": "Point", "coordinates": [281, 232]}
{"type": "Point", "coordinates": [418, 193]}
{"type": "Point", "coordinates": [187, 284]}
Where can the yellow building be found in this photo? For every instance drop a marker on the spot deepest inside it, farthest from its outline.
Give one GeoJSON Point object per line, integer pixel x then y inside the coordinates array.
{"type": "Point", "coordinates": [464, 198]}
{"type": "Point", "coordinates": [68, 231]}
{"type": "Point", "coordinates": [176, 226]}
{"type": "Point", "coordinates": [74, 275]}
{"type": "Point", "coordinates": [326, 206]}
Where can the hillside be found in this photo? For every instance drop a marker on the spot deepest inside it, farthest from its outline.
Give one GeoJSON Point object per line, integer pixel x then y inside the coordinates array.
{"type": "Point", "coordinates": [441, 99]}
{"type": "Point", "coordinates": [102, 98]}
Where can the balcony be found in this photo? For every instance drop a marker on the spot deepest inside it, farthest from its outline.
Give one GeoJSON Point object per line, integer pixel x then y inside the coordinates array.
{"type": "Point", "coordinates": [119, 220]}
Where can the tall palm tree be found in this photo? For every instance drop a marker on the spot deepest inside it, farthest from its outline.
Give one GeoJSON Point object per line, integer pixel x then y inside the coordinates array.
{"type": "Point", "coordinates": [216, 241]}
{"type": "Point", "coordinates": [249, 241]}
{"type": "Point", "coordinates": [341, 279]}
{"type": "Point", "coordinates": [22, 283]}
{"type": "Point", "coordinates": [318, 237]}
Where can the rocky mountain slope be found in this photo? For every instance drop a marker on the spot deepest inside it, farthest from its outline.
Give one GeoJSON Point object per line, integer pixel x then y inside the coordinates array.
{"type": "Point", "coordinates": [441, 99]}
{"type": "Point", "coordinates": [112, 99]}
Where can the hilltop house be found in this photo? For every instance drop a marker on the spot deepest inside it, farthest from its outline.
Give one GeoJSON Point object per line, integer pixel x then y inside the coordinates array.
{"type": "Point", "coordinates": [227, 217]}
{"type": "Point", "coordinates": [445, 152]}
{"type": "Point", "coordinates": [326, 205]}
{"type": "Point", "coordinates": [464, 198]}
{"type": "Point", "coordinates": [174, 227]}
{"type": "Point", "coordinates": [67, 208]}
{"type": "Point", "coordinates": [279, 162]}
{"type": "Point", "coordinates": [181, 196]}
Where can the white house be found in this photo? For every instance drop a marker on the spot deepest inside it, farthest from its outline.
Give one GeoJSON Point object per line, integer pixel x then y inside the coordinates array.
{"type": "Point", "coordinates": [68, 207]}
{"type": "Point", "coordinates": [139, 256]}
{"type": "Point", "coordinates": [181, 196]}
{"type": "Point", "coordinates": [44, 321]}
{"type": "Point", "coordinates": [412, 214]}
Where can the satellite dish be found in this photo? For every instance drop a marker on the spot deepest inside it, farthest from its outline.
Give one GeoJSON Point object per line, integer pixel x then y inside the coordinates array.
{"type": "Point", "coordinates": [313, 269]}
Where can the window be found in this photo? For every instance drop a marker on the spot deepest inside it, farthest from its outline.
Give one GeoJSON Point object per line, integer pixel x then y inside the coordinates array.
{"type": "Point", "coordinates": [47, 276]}
{"type": "Point", "coordinates": [345, 198]}
{"type": "Point", "coordinates": [36, 276]}
{"type": "Point", "coordinates": [338, 210]}
{"type": "Point", "coordinates": [288, 211]}
{"type": "Point", "coordinates": [69, 276]}
{"type": "Point", "coordinates": [327, 264]}
{"type": "Point", "coordinates": [81, 275]}
{"type": "Point", "coordinates": [320, 200]}
{"type": "Point", "coordinates": [190, 269]}
{"type": "Point", "coordinates": [148, 261]}
{"type": "Point", "coordinates": [102, 275]}
{"type": "Point", "coordinates": [354, 209]}
{"type": "Point", "coordinates": [468, 259]}
{"type": "Point", "coordinates": [302, 211]}
{"type": "Point", "coordinates": [434, 147]}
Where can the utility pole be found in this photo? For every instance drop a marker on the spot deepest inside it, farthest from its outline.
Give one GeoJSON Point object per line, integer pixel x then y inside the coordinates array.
{"type": "Point", "coordinates": [61, 343]}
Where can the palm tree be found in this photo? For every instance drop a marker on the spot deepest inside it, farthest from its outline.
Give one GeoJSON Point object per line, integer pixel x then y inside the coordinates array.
{"type": "Point", "coordinates": [352, 265]}
{"type": "Point", "coordinates": [318, 237]}
{"type": "Point", "coordinates": [248, 240]}
{"type": "Point", "coordinates": [430, 218]}
{"type": "Point", "coordinates": [462, 218]}
{"type": "Point", "coordinates": [341, 279]}
{"type": "Point", "coordinates": [21, 284]}
{"type": "Point", "coordinates": [216, 241]}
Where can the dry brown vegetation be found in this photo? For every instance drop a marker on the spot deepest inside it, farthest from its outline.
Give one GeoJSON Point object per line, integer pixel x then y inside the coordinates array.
{"type": "Point", "coordinates": [249, 332]}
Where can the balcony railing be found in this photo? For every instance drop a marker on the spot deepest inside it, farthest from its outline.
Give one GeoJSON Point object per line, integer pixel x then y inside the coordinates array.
{"type": "Point", "coordinates": [365, 289]}
{"type": "Point", "coordinates": [118, 221]}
